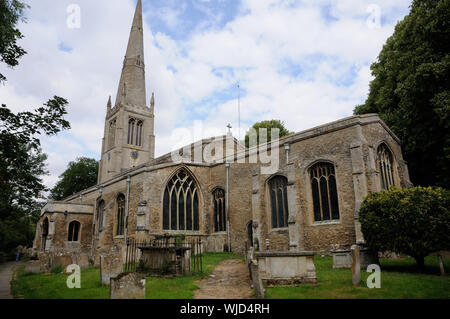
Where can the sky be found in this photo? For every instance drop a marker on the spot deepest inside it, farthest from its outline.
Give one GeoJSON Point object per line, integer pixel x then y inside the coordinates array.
{"type": "Point", "coordinates": [305, 63]}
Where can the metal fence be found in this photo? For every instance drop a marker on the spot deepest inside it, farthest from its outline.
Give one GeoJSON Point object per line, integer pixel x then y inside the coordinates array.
{"type": "Point", "coordinates": [193, 247]}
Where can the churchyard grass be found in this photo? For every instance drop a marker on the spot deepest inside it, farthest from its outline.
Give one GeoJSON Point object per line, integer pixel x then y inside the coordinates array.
{"type": "Point", "coordinates": [53, 286]}
{"type": "Point", "coordinates": [399, 279]}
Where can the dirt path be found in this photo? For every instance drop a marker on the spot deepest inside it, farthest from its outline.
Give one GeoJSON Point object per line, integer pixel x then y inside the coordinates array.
{"type": "Point", "coordinates": [229, 280]}
{"type": "Point", "coordinates": [6, 271]}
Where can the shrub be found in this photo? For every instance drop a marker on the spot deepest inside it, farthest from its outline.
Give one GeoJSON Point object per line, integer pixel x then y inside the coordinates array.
{"type": "Point", "coordinates": [413, 221]}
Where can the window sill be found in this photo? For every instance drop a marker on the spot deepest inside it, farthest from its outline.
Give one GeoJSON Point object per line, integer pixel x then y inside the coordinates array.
{"type": "Point", "coordinates": [119, 237]}
{"type": "Point", "coordinates": [279, 230]}
{"type": "Point", "coordinates": [330, 222]}
{"type": "Point", "coordinates": [220, 233]}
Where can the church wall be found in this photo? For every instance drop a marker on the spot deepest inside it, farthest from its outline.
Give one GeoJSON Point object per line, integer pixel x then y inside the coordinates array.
{"type": "Point", "coordinates": [332, 147]}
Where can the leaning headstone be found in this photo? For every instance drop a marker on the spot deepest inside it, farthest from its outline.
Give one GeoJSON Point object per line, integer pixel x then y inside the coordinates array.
{"type": "Point", "coordinates": [110, 267]}
{"type": "Point", "coordinates": [256, 280]}
{"type": "Point", "coordinates": [356, 265]}
{"type": "Point", "coordinates": [127, 286]}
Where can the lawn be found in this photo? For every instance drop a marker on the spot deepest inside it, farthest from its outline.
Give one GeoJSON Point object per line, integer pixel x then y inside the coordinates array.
{"type": "Point", "coordinates": [399, 279]}
{"type": "Point", "coordinates": [53, 286]}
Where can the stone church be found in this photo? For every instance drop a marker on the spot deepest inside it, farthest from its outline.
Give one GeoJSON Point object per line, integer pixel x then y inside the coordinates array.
{"type": "Point", "coordinates": [310, 200]}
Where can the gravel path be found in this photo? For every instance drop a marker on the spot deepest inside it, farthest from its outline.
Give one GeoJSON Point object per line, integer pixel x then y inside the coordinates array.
{"type": "Point", "coordinates": [229, 280]}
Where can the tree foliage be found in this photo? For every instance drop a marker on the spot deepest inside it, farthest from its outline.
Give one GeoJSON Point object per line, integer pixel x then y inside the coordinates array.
{"type": "Point", "coordinates": [267, 125]}
{"type": "Point", "coordinates": [22, 163]}
{"type": "Point", "coordinates": [413, 221]}
{"type": "Point", "coordinates": [79, 175]}
{"type": "Point", "coordinates": [11, 12]}
{"type": "Point", "coordinates": [411, 90]}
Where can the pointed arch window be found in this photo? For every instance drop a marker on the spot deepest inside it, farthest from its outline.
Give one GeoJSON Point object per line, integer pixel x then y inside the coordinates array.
{"type": "Point", "coordinates": [139, 133]}
{"type": "Point", "coordinates": [131, 131]}
{"type": "Point", "coordinates": [386, 165]}
{"type": "Point", "coordinates": [74, 229]}
{"type": "Point", "coordinates": [101, 215]}
{"type": "Point", "coordinates": [219, 210]}
{"type": "Point", "coordinates": [120, 228]}
{"type": "Point", "coordinates": [324, 192]}
{"type": "Point", "coordinates": [279, 201]}
{"type": "Point", "coordinates": [112, 134]}
{"type": "Point", "coordinates": [181, 203]}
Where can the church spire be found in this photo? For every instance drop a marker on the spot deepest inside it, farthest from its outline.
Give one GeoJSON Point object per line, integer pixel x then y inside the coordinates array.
{"type": "Point", "coordinates": [131, 89]}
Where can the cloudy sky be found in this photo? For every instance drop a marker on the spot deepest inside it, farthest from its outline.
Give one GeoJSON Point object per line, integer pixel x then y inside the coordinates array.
{"type": "Point", "coordinates": [303, 62]}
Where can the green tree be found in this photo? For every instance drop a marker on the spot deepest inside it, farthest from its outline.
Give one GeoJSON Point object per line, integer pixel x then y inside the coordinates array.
{"type": "Point", "coordinates": [79, 175]}
{"type": "Point", "coordinates": [267, 125]}
{"type": "Point", "coordinates": [413, 221]}
{"type": "Point", "coordinates": [22, 163]}
{"type": "Point", "coordinates": [411, 90]}
{"type": "Point", "coordinates": [11, 12]}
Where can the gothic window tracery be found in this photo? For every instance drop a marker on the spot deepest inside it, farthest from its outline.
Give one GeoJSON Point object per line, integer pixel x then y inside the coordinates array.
{"type": "Point", "coordinates": [324, 192]}
{"type": "Point", "coordinates": [181, 203]}
{"type": "Point", "coordinates": [386, 166]}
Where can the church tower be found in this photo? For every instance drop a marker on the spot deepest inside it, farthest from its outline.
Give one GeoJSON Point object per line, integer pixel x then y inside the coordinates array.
{"type": "Point", "coordinates": [129, 139]}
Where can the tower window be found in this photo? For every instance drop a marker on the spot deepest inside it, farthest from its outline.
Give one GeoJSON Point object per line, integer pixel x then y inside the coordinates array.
{"type": "Point", "coordinates": [324, 192]}
{"type": "Point", "coordinates": [135, 128]}
{"type": "Point", "coordinates": [112, 134]}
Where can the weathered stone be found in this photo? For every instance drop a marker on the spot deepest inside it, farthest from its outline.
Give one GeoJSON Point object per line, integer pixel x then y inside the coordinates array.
{"type": "Point", "coordinates": [127, 286]}
{"type": "Point", "coordinates": [110, 266]}
{"type": "Point", "coordinates": [256, 280]}
{"type": "Point", "coordinates": [356, 266]}
{"type": "Point", "coordinates": [81, 260]}
{"type": "Point", "coordinates": [34, 266]}
{"type": "Point", "coordinates": [286, 268]}
{"type": "Point", "coordinates": [63, 260]}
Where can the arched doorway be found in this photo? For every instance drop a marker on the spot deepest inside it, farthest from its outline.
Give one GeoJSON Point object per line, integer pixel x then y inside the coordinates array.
{"type": "Point", "coordinates": [44, 233]}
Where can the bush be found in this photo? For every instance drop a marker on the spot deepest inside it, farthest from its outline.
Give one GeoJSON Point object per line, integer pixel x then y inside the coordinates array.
{"type": "Point", "coordinates": [413, 221]}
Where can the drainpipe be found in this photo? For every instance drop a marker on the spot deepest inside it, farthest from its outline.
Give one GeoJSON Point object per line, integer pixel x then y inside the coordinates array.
{"type": "Point", "coordinates": [127, 208]}
{"type": "Point", "coordinates": [227, 165]}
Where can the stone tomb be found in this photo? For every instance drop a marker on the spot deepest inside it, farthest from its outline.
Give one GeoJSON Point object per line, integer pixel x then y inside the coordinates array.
{"type": "Point", "coordinates": [286, 267]}
{"type": "Point", "coordinates": [343, 258]}
{"type": "Point", "coordinates": [166, 260]}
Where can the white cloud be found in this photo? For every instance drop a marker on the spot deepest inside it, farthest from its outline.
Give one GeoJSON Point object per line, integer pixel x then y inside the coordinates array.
{"type": "Point", "coordinates": [288, 57]}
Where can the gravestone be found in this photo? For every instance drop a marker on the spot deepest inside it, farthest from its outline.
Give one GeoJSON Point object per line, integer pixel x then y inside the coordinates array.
{"type": "Point", "coordinates": [356, 265]}
{"type": "Point", "coordinates": [256, 280]}
{"type": "Point", "coordinates": [34, 266]}
{"type": "Point", "coordinates": [127, 286]}
{"type": "Point", "coordinates": [110, 267]}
